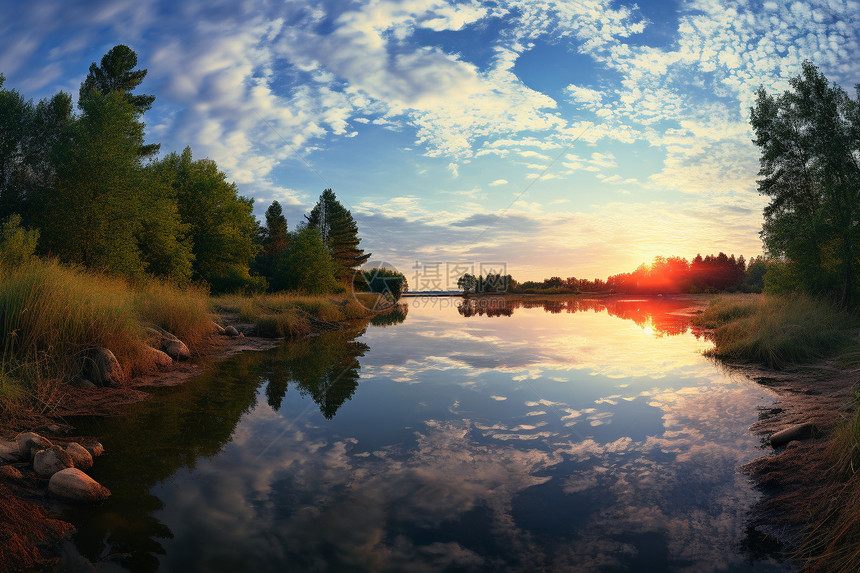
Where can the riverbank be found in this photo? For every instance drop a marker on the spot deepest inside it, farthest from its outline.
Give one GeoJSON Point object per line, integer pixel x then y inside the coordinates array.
{"type": "Point", "coordinates": [808, 352]}
{"type": "Point", "coordinates": [54, 317]}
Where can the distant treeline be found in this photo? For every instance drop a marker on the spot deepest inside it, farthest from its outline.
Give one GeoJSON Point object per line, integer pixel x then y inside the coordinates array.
{"type": "Point", "coordinates": [82, 186]}
{"type": "Point", "coordinates": [709, 274]}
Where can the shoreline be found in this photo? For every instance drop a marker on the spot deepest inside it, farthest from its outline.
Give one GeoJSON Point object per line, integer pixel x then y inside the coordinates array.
{"type": "Point", "coordinates": [30, 535]}
{"type": "Point", "coordinates": [791, 478]}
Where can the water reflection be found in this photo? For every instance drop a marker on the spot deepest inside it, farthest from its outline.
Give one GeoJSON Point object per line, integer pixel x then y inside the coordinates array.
{"type": "Point", "coordinates": [577, 439]}
{"type": "Point", "coordinates": [668, 315]}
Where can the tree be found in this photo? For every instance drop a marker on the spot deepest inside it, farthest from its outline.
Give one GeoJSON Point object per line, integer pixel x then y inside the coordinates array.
{"type": "Point", "coordinates": [339, 233]}
{"type": "Point", "coordinates": [117, 73]}
{"type": "Point", "coordinates": [17, 245]}
{"type": "Point", "coordinates": [307, 265]}
{"type": "Point", "coordinates": [274, 240]}
{"type": "Point", "coordinates": [810, 168]}
{"type": "Point", "coordinates": [104, 212]}
{"type": "Point", "coordinates": [219, 222]}
{"type": "Point", "coordinates": [468, 283]}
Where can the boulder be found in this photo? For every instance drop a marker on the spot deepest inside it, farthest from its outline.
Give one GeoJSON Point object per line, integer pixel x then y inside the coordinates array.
{"type": "Point", "coordinates": [796, 432]}
{"type": "Point", "coordinates": [74, 485]}
{"type": "Point", "coordinates": [9, 452]}
{"type": "Point", "coordinates": [176, 349]}
{"type": "Point", "coordinates": [30, 443]}
{"type": "Point", "coordinates": [218, 328]}
{"type": "Point", "coordinates": [50, 461]}
{"type": "Point", "coordinates": [160, 359]}
{"type": "Point", "coordinates": [102, 368]}
{"type": "Point", "coordinates": [82, 459]}
{"type": "Point", "coordinates": [231, 331]}
{"type": "Point", "coordinates": [94, 448]}
{"type": "Point", "coordinates": [9, 472]}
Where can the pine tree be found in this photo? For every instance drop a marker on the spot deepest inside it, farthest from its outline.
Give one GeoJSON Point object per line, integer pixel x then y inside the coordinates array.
{"type": "Point", "coordinates": [275, 239]}
{"type": "Point", "coordinates": [339, 233]}
{"type": "Point", "coordinates": [117, 74]}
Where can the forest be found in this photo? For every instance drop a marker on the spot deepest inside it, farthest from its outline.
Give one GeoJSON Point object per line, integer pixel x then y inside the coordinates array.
{"type": "Point", "coordinates": [83, 186]}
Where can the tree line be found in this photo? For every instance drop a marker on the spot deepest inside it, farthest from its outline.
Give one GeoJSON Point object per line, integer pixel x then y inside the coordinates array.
{"type": "Point", "coordinates": [84, 186]}
{"type": "Point", "coordinates": [709, 274]}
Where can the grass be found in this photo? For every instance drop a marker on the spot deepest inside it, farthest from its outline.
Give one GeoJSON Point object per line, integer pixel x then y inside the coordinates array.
{"type": "Point", "coordinates": [290, 315]}
{"type": "Point", "coordinates": [777, 331]}
{"type": "Point", "coordinates": [51, 315]}
{"type": "Point", "coordinates": [832, 545]}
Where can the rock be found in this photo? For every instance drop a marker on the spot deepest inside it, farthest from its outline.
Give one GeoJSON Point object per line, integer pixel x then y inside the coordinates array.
{"type": "Point", "coordinates": [231, 331]}
{"type": "Point", "coordinates": [160, 359]}
{"type": "Point", "coordinates": [9, 452]}
{"type": "Point", "coordinates": [82, 459]}
{"type": "Point", "coordinates": [176, 349]}
{"type": "Point", "coordinates": [54, 428]}
{"type": "Point", "coordinates": [94, 448]}
{"type": "Point", "coordinates": [797, 432]}
{"type": "Point", "coordinates": [50, 461]}
{"type": "Point", "coordinates": [218, 328]}
{"type": "Point", "coordinates": [30, 443]}
{"type": "Point", "coordinates": [74, 485]}
{"type": "Point", "coordinates": [102, 368]}
{"type": "Point", "coordinates": [9, 472]}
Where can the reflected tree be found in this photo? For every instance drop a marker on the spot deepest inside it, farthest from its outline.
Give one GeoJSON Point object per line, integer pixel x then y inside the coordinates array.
{"type": "Point", "coordinates": [325, 368]}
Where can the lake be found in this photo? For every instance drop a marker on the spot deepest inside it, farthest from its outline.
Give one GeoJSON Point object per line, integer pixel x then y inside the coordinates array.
{"type": "Point", "coordinates": [559, 435]}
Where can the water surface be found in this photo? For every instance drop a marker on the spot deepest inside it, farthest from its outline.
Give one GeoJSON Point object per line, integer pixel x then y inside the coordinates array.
{"type": "Point", "coordinates": [563, 435]}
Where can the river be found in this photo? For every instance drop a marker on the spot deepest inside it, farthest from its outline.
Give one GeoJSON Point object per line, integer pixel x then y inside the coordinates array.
{"type": "Point", "coordinates": [559, 435]}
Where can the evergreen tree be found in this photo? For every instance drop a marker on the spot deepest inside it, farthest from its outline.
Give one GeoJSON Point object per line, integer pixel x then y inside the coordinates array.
{"type": "Point", "coordinates": [339, 233]}
{"type": "Point", "coordinates": [103, 212]}
{"type": "Point", "coordinates": [117, 73]}
{"type": "Point", "coordinates": [274, 241]}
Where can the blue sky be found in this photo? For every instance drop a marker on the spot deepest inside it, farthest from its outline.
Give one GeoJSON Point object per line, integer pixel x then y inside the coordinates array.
{"type": "Point", "coordinates": [572, 138]}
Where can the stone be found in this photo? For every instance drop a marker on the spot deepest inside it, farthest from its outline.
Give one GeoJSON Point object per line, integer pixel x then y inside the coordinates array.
{"type": "Point", "coordinates": [160, 359]}
{"type": "Point", "coordinates": [30, 443]}
{"type": "Point", "coordinates": [50, 461]}
{"type": "Point", "coordinates": [9, 472]}
{"type": "Point", "coordinates": [231, 331]}
{"type": "Point", "coordinates": [94, 448]}
{"type": "Point", "coordinates": [9, 452]}
{"type": "Point", "coordinates": [102, 368]}
{"type": "Point", "coordinates": [796, 432]}
{"type": "Point", "coordinates": [82, 459]}
{"type": "Point", "coordinates": [74, 485]}
{"type": "Point", "coordinates": [218, 328]}
{"type": "Point", "coordinates": [176, 349]}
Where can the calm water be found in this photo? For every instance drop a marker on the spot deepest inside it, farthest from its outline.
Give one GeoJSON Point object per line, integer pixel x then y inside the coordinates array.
{"type": "Point", "coordinates": [561, 437]}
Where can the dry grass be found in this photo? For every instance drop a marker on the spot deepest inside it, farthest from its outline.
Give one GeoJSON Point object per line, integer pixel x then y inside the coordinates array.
{"type": "Point", "coordinates": [51, 315]}
{"type": "Point", "coordinates": [777, 331]}
{"type": "Point", "coordinates": [290, 314]}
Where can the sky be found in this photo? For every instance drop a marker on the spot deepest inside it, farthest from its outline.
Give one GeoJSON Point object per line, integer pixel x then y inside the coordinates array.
{"type": "Point", "coordinates": [570, 138]}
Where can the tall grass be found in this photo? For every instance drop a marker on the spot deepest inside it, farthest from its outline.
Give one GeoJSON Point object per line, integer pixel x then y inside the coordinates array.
{"type": "Point", "coordinates": [290, 314]}
{"type": "Point", "coordinates": [775, 330]}
{"type": "Point", "coordinates": [51, 315]}
{"type": "Point", "coordinates": [833, 543]}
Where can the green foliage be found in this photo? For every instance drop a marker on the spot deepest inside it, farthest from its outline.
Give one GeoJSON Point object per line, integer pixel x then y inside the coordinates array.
{"type": "Point", "coordinates": [218, 221]}
{"type": "Point", "coordinates": [809, 138]}
{"type": "Point", "coordinates": [381, 280]}
{"type": "Point", "coordinates": [17, 245]}
{"type": "Point", "coordinates": [274, 240]}
{"type": "Point", "coordinates": [307, 265]}
{"type": "Point", "coordinates": [339, 233]}
{"type": "Point", "coordinates": [117, 74]}
{"type": "Point", "coordinates": [777, 331]}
